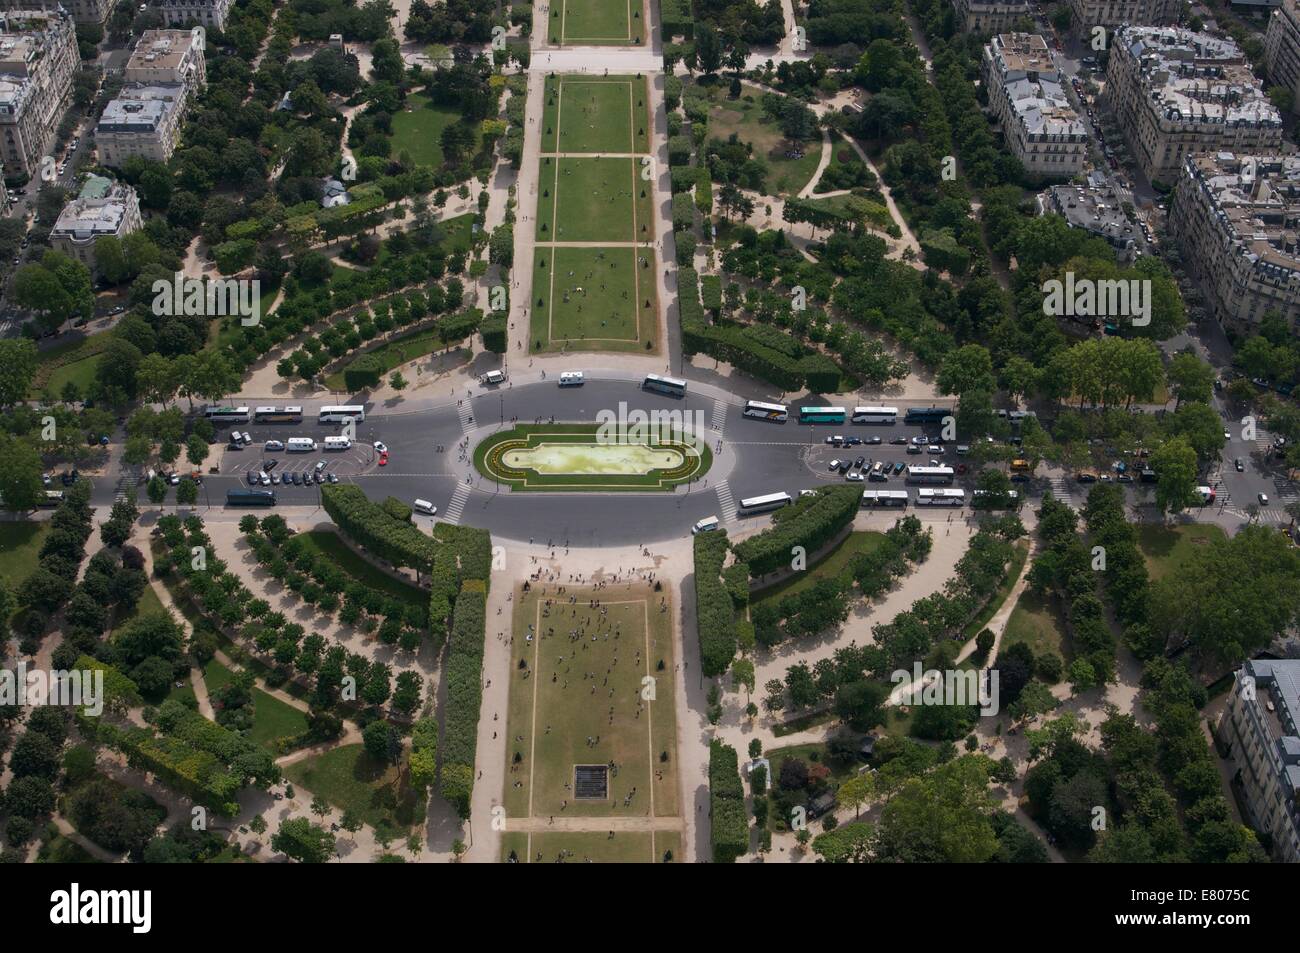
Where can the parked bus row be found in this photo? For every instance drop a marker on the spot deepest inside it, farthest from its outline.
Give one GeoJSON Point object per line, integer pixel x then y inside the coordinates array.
{"type": "Point", "coordinates": [283, 415]}
{"type": "Point", "coordinates": [886, 416]}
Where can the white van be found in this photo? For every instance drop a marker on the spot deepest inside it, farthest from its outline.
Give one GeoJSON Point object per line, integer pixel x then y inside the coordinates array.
{"type": "Point", "coordinates": [704, 525]}
{"type": "Point", "coordinates": [301, 444]}
{"type": "Point", "coordinates": [424, 506]}
{"type": "Point", "coordinates": [338, 443]}
{"type": "Point", "coordinates": [572, 379]}
{"type": "Point", "coordinates": [494, 377]}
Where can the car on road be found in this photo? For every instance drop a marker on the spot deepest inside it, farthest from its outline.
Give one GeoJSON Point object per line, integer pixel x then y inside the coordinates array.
{"type": "Point", "coordinates": [874, 441]}
{"type": "Point", "coordinates": [852, 441]}
{"type": "Point", "coordinates": [1241, 467]}
{"type": "Point", "coordinates": [1263, 499]}
{"type": "Point", "coordinates": [1227, 435]}
{"type": "Point", "coordinates": [383, 459]}
{"type": "Point", "coordinates": [835, 440]}
{"type": "Point", "coordinates": [118, 309]}
{"type": "Point", "coordinates": [856, 476]}
{"type": "Point", "coordinates": [273, 445]}
{"type": "Point", "coordinates": [937, 449]}
{"type": "Point", "coordinates": [913, 449]}
{"type": "Point", "coordinates": [334, 477]}
{"type": "Point", "coordinates": [381, 447]}
{"type": "Point", "coordinates": [920, 441]}
{"type": "Point", "coordinates": [173, 478]}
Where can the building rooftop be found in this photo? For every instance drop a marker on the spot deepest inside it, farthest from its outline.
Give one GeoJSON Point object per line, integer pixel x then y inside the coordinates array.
{"type": "Point", "coordinates": [1033, 84]}
{"type": "Point", "coordinates": [1095, 208]}
{"type": "Point", "coordinates": [1195, 77]}
{"type": "Point", "coordinates": [1022, 52]}
{"type": "Point", "coordinates": [98, 210]}
{"type": "Point", "coordinates": [1257, 201]}
{"type": "Point", "coordinates": [160, 49]}
{"type": "Point", "coordinates": [139, 108]}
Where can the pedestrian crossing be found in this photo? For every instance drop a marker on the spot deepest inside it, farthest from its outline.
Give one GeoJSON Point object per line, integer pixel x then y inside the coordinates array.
{"type": "Point", "coordinates": [126, 488]}
{"type": "Point", "coordinates": [1061, 487]}
{"type": "Point", "coordinates": [719, 415]}
{"type": "Point", "coordinates": [457, 505]}
{"type": "Point", "coordinates": [466, 413]}
{"type": "Point", "coordinates": [726, 503]}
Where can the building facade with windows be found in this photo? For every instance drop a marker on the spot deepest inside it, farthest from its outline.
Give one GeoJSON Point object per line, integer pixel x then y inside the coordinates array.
{"type": "Point", "coordinates": [102, 208]}
{"type": "Point", "coordinates": [1176, 93]}
{"type": "Point", "coordinates": [1086, 14]}
{"type": "Point", "coordinates": [83, 11]}
{"type": "Point", "coordinates": [1258, 728]}
{"type": "Point", "coordinates": [1237, 219]}
{"type": "Point", "coordinates": [207, 13]}
{"type": "Point", "coordinates": [38, 61]}
{"type": "Point", "coordinates": [1027, 95]}
{"type": "Point", "coordinates": [165, 71]}
{"type": "Point", "coordinates": [1282, 49]}
{"type": "Point", "coordinates": [992, 16]}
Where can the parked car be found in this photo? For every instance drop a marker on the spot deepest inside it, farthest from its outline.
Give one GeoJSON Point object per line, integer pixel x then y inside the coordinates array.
{"type": "Point", "coordinates": [913, 449]}
{"type": "Point", "coordinates": [1241, 467]}
{"type": "Point", "coordinates": [835, 465]}
{"type": "Point", "coordinates": [252, 478]}
{"type": "Point", "coordinates": [273, 445]}
{"type": "Point", "coordinates": [855, 476]}
{"type": "Point", "coordinates": [852, 441]}
{"type": "Point", "coordinates": [859, 462]}
{"type": "Point", "coordinates": [380, 447]}
{"type": "Point", "coordinates": [874, 441]}
{"type": "Point", "coordinates": [898, 441]}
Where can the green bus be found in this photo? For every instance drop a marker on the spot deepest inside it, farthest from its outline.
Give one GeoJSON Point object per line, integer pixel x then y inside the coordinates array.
{"type": "Point", "coordinates": [822, 415]}
{"type": "Point", "coordinates": [250, 497]}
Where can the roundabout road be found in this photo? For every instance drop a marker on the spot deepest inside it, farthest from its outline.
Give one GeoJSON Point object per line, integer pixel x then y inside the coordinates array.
{"type": "Point", "coordinates": [756, 457]}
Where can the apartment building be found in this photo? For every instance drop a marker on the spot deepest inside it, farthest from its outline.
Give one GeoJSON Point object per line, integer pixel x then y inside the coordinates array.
{"type": "Point", "coordinates": [1096, 208]}
{"type": "Point", "coordinates": [164, 72]}
{"type": "Point", "coordinates": [1176, 93]}
{"type": "Point", "coordinates": [102, 208]}
{"type": "Point", "coordinates": [167, 57]}
{"type": "Point", "coordinates": [1238, 221]}
{"type": "Point", "coordinates": [83, 11]}
{"type": "Point", "coordinates": [992, 16]}
{"type": "Point", "coordinates": [38, 60]}
{"type": "Point", "coordinates": [1282, 49]}
{"type": "Point", "coordinates": [1258, 726]}
{"type": "Point", "coordinates": [207, 13]}
{"type": "Point", "coordinates": [1086, 14]}
{"type": "Point", "coordinates": [1027, 94]}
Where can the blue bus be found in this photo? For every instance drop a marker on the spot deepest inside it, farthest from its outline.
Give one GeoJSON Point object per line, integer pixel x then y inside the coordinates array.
{"type": "Point", "coordinates": [822, 415]}
{"type": "Point", "coordinates": [926, 415]}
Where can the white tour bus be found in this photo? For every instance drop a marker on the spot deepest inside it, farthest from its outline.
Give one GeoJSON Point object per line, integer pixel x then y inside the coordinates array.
{"type": "Point", "coordinates": [664, 385]}
{"type": "Point", "coordinates": [777, 412]}
{"type": "Point", "coordinates": [337, 443]}
{"type": "Point", "coordinates": [572, 379]}
{"type": "Point", "coordinates": [228, 415]}
{"type": "Point", "coordinates": [875, 415]}
{"type": "Point", "coordinates": [940, 497]}
{"type": "Point", "coordinates": [301, 444]}
{"type": "Point", "coordinates": [884, 498]}
{"type": "Point", "coordinates": [336, 415]}
{"type": "Point", "coordinates": [278, 415]}
{"type": "Point", "coordinates": [941, 476]}
{"type": "Point", "coordinates": [772, 501]}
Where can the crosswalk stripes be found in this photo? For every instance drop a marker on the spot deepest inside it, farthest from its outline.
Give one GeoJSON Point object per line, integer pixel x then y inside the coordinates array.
{"type": "Point", "coordinates": [719, 414]}
{"type": "Point", "coordinates": [1061, 488]}
{"type": "Point", "coordinates": [457, 505]}
{"type": "Point", "coordinates": [726, 504]}
{"type": "Point", "coordinates": [466, 413]}
{"type": "Point", "coordinates": [126, 488]}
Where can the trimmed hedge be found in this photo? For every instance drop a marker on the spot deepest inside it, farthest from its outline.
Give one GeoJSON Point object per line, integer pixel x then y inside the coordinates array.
{"type": "Point", "coordinates": [730, 830]}
{"type": "Point", "coordinates": [494, 332]}
{"type": "Point", "coordinates": [683, 212]}
{"type": "Point", "coordinates": [711, 292]}
{"type": "Point", "coordinates": [715, 613]}
{"type": "Point", "coordinates": [363, 373]}
{"type": "Point", "coordinates": [688, 296]}
{"type": "Point", "coordinates": [371, 527]}
{"type": "Point", "coordinates": [464, 695]}
{"type": "Point", "coordinates": [677, 20]}
{"type": "Point", "coordinates": [811, 523]}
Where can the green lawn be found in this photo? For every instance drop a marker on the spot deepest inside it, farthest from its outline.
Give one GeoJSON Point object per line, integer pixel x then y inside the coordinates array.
{"type": "Point", "coordinates": [1037, 622]}
{"type": "Point", "coordinates": [593, 199]}
{"type": "Point", "coordinates": [58, 849]}
{"type": "Point", "coordinates": [418, 128]}
{"type": "Point", "coordinates": [835, 562]}
{"type": "Point", "coordinates": [596, 114]}
{"type": "Point", "coordinates": [1167, 548]}
{"type": "Point", "coordinates": [19, 544]}
{"type": "Point", "coordinates": [596, 22]}
{"type": "Point", "coordinates": [349, 779]}
{"type": "Point", "coordinates": [593, 298]}
{"type": "Point", "coordinates": [591, 686]}
{"type": "Point", "coordinates": [787, 170]}
{"type": "Point", "coordinates": [274, 720]}
{"type": "Point", "coordinates": [579, 847]}
{"type": "Point", "coordinates": [1018, 556]}
{"type": "Point", "coordinates": [326, 544]}
{"type": "Point", "coordinates": [74, 360]}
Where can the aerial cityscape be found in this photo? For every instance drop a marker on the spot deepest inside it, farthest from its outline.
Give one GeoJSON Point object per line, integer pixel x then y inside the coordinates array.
{"type": "Point", "coordinates": [649, 431]}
